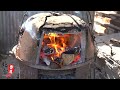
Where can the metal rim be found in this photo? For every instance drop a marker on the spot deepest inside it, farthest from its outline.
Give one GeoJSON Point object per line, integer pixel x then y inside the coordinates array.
{"type": "Point", "coordinates": [63, 68]}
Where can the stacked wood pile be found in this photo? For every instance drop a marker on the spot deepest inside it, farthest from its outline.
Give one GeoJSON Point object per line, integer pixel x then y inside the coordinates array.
{"type": "Point", "coordinates": [108, 22]}
{"type": "Point", "coordinates": [107, 63]}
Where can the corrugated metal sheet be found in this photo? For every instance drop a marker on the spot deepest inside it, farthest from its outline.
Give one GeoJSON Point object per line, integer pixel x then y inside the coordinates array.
{"type": "Point", "coordinates": [9, 25]}
{"type": "Point", "coordinates": [10, 22]}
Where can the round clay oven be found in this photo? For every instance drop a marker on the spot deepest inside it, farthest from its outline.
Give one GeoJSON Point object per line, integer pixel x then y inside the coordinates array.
{"type": "Point", "coordinates": [30, 36]}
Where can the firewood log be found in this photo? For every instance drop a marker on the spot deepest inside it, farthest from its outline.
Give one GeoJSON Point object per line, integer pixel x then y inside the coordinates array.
{"type": "Point", "coordinates": [115, 42]}
{"type": "Point", "coordinates": [67, 58]}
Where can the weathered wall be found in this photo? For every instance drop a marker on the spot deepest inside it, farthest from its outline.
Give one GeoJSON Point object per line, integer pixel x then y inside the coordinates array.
{"type": "Point", "coordinates": [9, 25]}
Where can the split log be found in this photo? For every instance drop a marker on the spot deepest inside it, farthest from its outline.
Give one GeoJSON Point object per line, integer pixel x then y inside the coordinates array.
{"type": "Point", "coordinates": [67, 58]}
{"type": "Point", "coordinates": [105, 15]}
{"type": "Point", "coordinates": [108, 25]}
{"type": "Point", "coordinates": [112, 15]}
{"type": "Point", "coordinates": [115, 42]}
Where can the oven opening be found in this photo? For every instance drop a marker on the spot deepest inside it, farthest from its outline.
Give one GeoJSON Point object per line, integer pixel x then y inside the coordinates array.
{"type": "Point", "coordinates": [60, 49]}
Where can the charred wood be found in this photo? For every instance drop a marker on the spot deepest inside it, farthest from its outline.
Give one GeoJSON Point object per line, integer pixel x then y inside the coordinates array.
{"type": "Point", "coordinates": [74, 50]}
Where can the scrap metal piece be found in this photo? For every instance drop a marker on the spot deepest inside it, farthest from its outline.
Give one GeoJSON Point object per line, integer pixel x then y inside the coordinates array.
{"type": "Point", "coordinates": [47, 62]}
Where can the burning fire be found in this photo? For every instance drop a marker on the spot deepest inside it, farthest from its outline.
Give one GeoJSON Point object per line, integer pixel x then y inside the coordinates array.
{"type": "Point", "coordinates": [62, 49]}
{"type": "Point", "coordinates": [56, 41]}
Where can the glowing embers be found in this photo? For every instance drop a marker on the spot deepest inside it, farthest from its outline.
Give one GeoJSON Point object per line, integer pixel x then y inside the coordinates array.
{"type": "Point", "coordinates": [58, 50]}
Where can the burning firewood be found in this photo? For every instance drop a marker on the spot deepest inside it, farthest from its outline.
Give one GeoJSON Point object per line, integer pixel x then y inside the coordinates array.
{"type": "Point", "coordinates": [70, 58]}
{"type": "Point", "coordinates": [48, 51]}
{"type": "Point", "coordinates": [74, 50]}
{"type": "Point", "coordinates": [59, 61]}
{"type": "Point", "coordinates": [67, 58]}
{"type": "Point", "coordinates": [70, 55]}
{"type": "Point", "coordinates": [77, 57]}
{"type": "Point", "coordinates": [56, 63]}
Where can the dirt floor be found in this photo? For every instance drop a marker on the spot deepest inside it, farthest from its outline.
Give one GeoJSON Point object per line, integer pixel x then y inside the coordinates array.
{"type": "Point", "coordinates": [105, 65]}
{"type": "Point", "coordinates": [5, 61]}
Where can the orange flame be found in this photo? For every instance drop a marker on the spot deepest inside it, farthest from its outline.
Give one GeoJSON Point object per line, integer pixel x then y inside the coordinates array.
{"type": "Point", "coordinates": [58, 42]}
